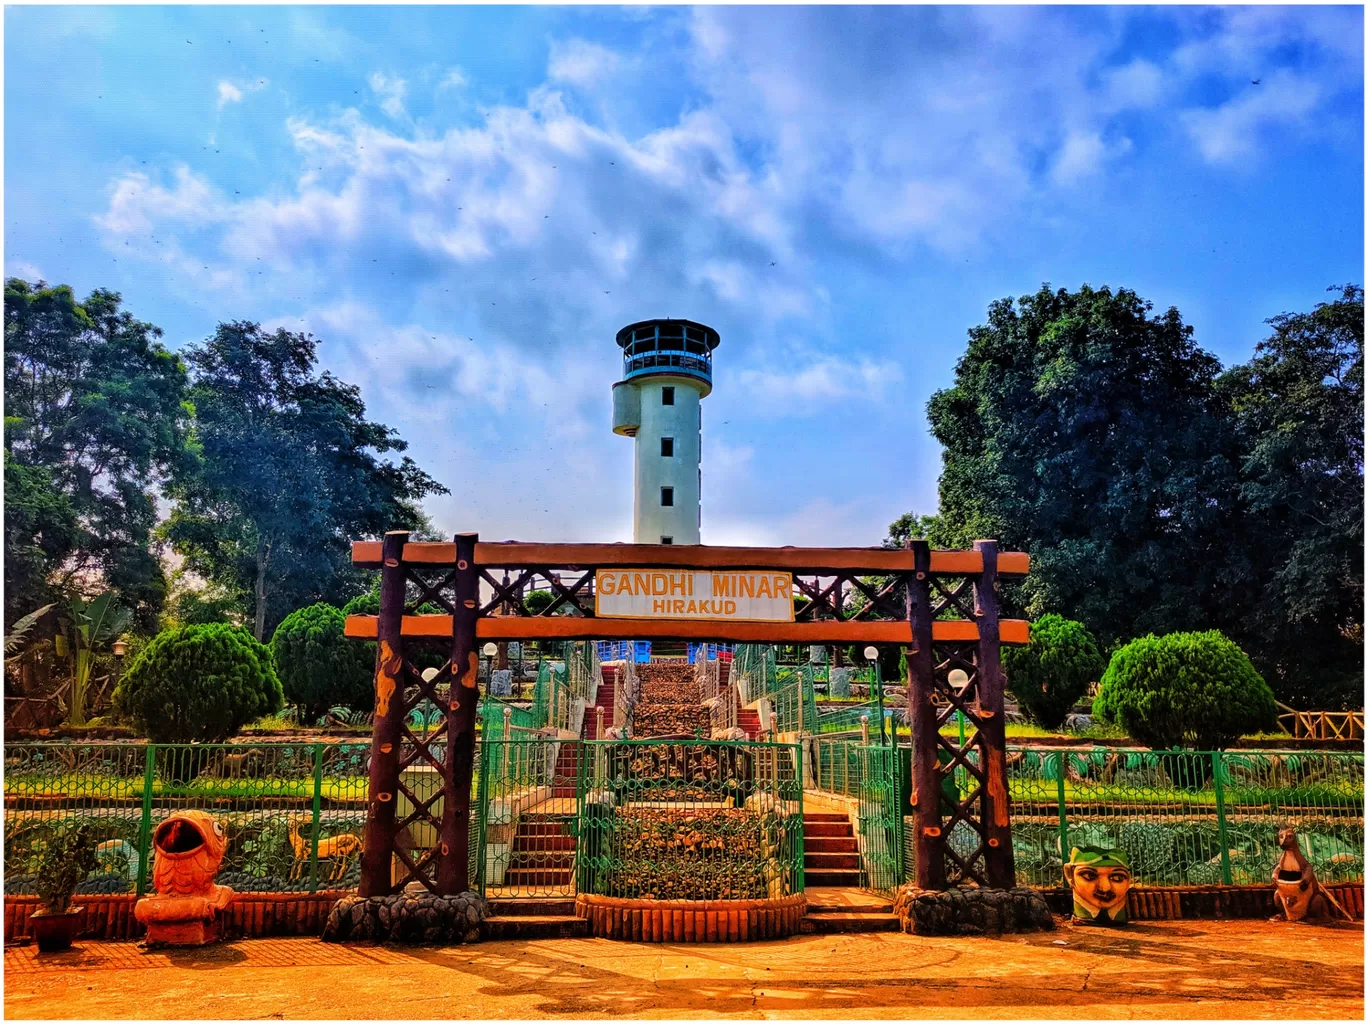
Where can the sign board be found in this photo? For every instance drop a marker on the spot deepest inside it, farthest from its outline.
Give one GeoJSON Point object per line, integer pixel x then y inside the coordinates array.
{"type": "Point", "coordinates": [736, 596]}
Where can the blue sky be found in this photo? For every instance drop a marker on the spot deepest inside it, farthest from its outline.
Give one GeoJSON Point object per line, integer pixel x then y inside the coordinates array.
{"type": "Point", "coordinates": [465, 204]}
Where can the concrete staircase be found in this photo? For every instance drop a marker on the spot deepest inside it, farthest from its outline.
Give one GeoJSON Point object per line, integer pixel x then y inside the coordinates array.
{"type": "Point", "coordinates": [552, 918]}
{"type": "Point", "coordinates": [603, 699]}
{"type": "Point", "coordinates": [831, 855]}
{"type": "Point", "coordinates": [839, 910]}
{"type": "Point", "coordinates": [749, 720]}
{"type": "Point", "coordinates": [543, 853]}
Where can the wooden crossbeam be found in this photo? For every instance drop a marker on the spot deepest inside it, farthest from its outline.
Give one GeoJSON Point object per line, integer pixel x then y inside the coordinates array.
{"type": "Point", "coordinates": [567, 627]}
{"type": "Point", "coordinates": [366, 555]}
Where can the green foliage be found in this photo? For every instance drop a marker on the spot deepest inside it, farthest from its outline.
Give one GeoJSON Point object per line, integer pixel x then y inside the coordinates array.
{"type": "Point", "coordinates": [1196, 690]}
{"type": "Point", "coordinates": [537, 601]}
{"type": "Point", "coordinates": [1053, 671]}
{"type": "Point", "coordinates": [41, 530]}
{"type": "Point", "coordinates": [267, 852]}
{"type": "Point", "coordinates": [69, 855]}
{"type": "Point", "coordinates": [95, 419]}
{"type": "Point", "coordinates": [199, 684]}
{"type": "Point", "coordinates": [92, 627]}
{"type": "Point", "coordinates": [319, 667]}
{"type": "Point", "coordinates": [1085, 431]}
{"type": "Point", "coordinates": [1297, 581]}
{"type": "Point", "coordinates": [1155, 493]}
{"type": "Point", "coordinates": [288, 475]}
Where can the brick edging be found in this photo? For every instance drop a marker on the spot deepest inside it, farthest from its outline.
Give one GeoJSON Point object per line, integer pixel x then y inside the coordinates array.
{"type": "Point", "coordinates": [250, 915]}
{"type": "Point", "coordinates": [613, 917]}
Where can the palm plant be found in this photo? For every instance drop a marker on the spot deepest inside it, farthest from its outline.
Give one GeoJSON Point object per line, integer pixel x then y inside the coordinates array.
{"type": "Point", "coordinates": [94, 624]}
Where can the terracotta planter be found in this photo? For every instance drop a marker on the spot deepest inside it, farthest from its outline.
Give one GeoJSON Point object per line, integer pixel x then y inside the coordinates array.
{"type": "Point", "coordinates": [54, 931]}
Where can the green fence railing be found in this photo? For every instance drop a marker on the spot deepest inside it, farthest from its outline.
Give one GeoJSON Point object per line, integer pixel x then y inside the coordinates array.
{"type": "Point", "coordinates": [277, 802]}
{"type": "Point", "coordinates": [1187, 818]}
{"type": "Point", "coordinates": [1183, 817]}
{"type": "Point", "coordinates": [667, 819]}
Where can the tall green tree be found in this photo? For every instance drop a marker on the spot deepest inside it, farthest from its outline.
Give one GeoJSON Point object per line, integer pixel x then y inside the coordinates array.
{"type": "Point", "coordinates": [1295, 576]}
{"type": "Point", "coordinates": [288, 474]}
{"type": "Point", "coordinates": [95, 422]}
{"type": "Point", "coordinates": [1086, 431]}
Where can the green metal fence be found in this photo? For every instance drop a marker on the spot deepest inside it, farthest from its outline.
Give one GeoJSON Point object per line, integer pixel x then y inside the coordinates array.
{"type": "Point", "coordinates": [1187, 818]}
{"type": "Point", "coordinates": [1183, 817]}
{"type": "Point", "coordinates": [696, 820]}
{"type": "Point", "coordinates": [641, 818]}
{"type": "Point", "coordinates": [277, 802]}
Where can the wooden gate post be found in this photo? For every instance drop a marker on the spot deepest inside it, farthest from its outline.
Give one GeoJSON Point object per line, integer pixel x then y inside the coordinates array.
{"type": "Point", "coordinates": [377, 849]}
{"type": "Point", "coordinates": [997, 825]}
{"type": "Point", "coordinates": [453, 869]}
{"type": "Point", "coordinates": [927, 843]}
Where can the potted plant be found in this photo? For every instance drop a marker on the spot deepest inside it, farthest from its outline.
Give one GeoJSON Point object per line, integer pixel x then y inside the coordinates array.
{"type": "Point", "coordinates": [67, 859]}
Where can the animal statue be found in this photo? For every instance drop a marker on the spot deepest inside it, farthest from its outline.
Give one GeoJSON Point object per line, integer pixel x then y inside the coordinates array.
{"type": "Point", "coordinates": [111, 852]}
{"type": "Point", "coordinates": [1100, 880]}
{"type": "Point", "coordinates": [734, 733]}
{"type": "Point", "coordinates": [186, 908]}
{"type": "Point", "coordinates": [1296, 891]}
{"type": "Point", "coordinates": [615, 732]}
{"type": "Point", "coordinates": [338, 849]}
{"type": "Point", "coordinates": [245, 764]}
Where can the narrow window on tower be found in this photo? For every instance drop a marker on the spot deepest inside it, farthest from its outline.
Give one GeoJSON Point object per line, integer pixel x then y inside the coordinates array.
{"type": "Point", "coordinates": [667, 447]}
{"type": "Point", "coordinates": [667, 396]}
{"type": "Point", "coordinates": [667, 540]}
{"type": "Point", "coordinates": [667, 496]}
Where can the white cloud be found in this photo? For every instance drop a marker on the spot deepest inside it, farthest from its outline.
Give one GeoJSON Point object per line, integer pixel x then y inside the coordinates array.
{"type": "Point", "coordinates": [228, 93]}
{"type": "Point", "coordinates": [1231, 132]}
{"type": "Point", "coordinates": [233, 92]}
{"type": "Point", "coordinates": [22, 268]}
{"type": "Point", "coordinates": [455, 78]}
{"type": "Point", "coordinates": [578, 62]}
{"type": "Point", "coordinates": [799, 388]}
{"type": "Point", "coordinates": [1137, 85]}
{"type": "Point", "coordinates": [1082, 155]}
{"type": "Point", "coordinates": [391, 92]}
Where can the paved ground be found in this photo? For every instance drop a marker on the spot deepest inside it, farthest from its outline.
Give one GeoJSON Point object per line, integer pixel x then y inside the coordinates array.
{"type": "Point", "coordinates": [1173, 969]}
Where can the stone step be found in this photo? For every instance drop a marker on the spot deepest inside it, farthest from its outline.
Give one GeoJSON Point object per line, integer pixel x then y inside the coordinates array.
{"type": "Point", "coordinates": [543, 828]}
{"type": "Point", "coordinates": [833, 878]}
{"type": "Point", "coordinates": [552, 907]}
{"type": "Point", "coordinates": [539, 860]}
{"type": "Point", "coordinates": [525, 841]}
{"type": "Point", "coordinates": [829, 844]}
{"type": "Point", "coordinates": [537, 926]}
{"type": "Point", "coordinates": [825, 816]}
{"type": "Point", "coordinates": [844, 921]}
{"type": "Point", "coordinates": [828, 829]}
{"type": "Point", "coordinates": [876, 905]}
{"type": "Point", "coordinates": [831, 862]}
{"type": "Point", "coordinates": [517, 878]}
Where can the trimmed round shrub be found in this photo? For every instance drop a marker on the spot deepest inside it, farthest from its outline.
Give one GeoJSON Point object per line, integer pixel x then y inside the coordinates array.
{"type": "Point", "coordinates": [1053, 671]}
{"type": "Point", "coordinates": [199, 684]}
{"type": "Point", "coordinates": [422, 652]}
{"type": "Point", "coordinates": [1195, 690]}
{"type": "Point", "coordinates": [319, 667]}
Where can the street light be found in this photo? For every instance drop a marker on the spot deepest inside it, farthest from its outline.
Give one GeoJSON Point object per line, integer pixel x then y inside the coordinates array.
{"type": "Point", "coordinates": [871, 654]}
{"type": "Point", "coordinates": [428, 674]}
{"type": "Point", "coordinates": [959, 682]}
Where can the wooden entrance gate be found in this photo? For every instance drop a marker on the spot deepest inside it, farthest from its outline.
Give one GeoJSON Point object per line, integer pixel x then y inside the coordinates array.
{"type": "Point", "coordinates": [942, 606]}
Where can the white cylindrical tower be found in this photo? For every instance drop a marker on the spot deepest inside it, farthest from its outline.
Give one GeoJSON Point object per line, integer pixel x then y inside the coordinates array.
{"type": "Point", "coordinates": [667, 372]}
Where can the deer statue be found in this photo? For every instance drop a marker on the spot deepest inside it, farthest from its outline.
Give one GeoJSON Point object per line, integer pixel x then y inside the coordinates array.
{"type": "Point", "coordinates": [338, 849]}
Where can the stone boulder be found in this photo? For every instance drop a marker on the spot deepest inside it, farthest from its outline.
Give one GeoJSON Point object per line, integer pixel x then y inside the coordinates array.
{"type": "Point", "coordinates": [971, 911]}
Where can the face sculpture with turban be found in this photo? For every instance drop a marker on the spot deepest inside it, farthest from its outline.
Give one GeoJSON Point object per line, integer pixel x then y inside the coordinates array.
{"type": "Point", "coordinates": [1100, 880]}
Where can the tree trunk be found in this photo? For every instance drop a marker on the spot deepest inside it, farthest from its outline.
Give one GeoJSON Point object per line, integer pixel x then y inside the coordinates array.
{"type": "Point", "coordinates": [263, 556]}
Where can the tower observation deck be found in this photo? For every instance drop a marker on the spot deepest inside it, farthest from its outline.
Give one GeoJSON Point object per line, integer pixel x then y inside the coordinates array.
{"type": "Point", "coordinates": [666, 374]}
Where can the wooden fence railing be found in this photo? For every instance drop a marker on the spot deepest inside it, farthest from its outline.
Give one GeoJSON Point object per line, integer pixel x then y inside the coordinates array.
{"type": "Point", "coordinates": [1321, 725]}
